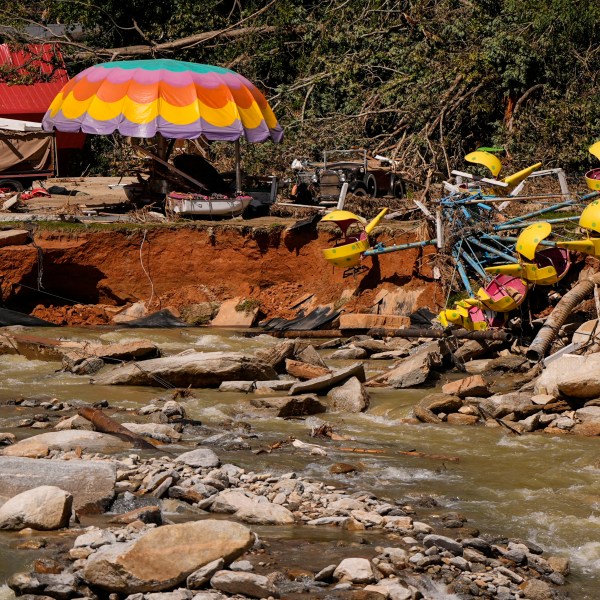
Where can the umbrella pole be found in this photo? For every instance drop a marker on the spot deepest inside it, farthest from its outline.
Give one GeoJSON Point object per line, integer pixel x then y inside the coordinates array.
{"type": "Point", "coordinates": [238, 167]}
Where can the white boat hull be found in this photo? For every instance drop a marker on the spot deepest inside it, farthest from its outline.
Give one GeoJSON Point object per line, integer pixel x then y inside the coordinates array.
{"type": "Point", "coordinates": [194, 204]}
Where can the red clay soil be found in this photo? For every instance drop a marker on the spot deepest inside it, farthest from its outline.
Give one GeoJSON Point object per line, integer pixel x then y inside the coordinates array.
{"type": "Point", "coordinates": [176, 267]}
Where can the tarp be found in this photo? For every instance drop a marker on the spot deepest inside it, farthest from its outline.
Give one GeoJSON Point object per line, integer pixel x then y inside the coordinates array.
{"type": "Point", "coordinates": [12, 317]}
{"type": "Point", "coordinates": [162, 318]}
{"type": "Point", "coordinates": [26, 152]}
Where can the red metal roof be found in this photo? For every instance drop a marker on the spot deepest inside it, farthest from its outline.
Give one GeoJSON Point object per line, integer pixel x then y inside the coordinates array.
{"type": "Point", "coordinates": [43, 62]}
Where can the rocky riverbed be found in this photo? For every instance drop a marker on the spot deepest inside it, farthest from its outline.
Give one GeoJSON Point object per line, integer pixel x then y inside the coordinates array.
{"type": "Point", "coordinates": [181, 522]}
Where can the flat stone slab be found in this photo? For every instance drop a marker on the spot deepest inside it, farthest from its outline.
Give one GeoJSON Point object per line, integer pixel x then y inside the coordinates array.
{"type": "Point", "coordinates": [14, 237]}
{"type": "Point", "coordinates": [40, 445]}
{"type": "Point", "coordinates": [91, 483]}
{"type": "Point", "coordinates": [196, 369]}
{"type": "Point", "coordinates": [166, 556]}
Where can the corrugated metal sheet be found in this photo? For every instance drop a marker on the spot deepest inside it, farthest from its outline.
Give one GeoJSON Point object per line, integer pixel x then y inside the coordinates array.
{"type": "Point", "coordinates": [38, 60]}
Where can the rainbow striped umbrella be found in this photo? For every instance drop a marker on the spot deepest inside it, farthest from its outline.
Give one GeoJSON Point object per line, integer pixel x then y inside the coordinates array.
{"type": "Point", "coordinates": [142, 98]}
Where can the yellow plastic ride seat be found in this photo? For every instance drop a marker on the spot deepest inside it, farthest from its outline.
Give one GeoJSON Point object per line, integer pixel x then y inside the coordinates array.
{"type": "Point", "coordinates": [480, 157]}
{"type": "Point", "coordinates": [532, 265]}
{"type": "Point", "coordinates": [590, 220]}
{"type": "Point", "coordinates": [592, 178]}
{"type": "Point", "coordinates": [349, 254]}
{"type": "Point", "coordinates": [516, 178]}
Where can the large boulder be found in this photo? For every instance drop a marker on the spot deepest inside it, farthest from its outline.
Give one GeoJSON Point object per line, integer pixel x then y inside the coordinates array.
{"type": "Point", "coordinates": [571, 375]}
{"type": "Point", "coordinates": [91, 483]}
{"type": "Point", "coordinates": [475, 385]}
{"type": "Point", "coordinates": [69, 439]}
{"type": "Point", "coordinates": [165, 556]}
{"type": "Point", "coordinates": [46, 507]}
{"type": "Point", "coordinates": [350, 397]}
{"type": "Point", "coordinates": [196, 369]}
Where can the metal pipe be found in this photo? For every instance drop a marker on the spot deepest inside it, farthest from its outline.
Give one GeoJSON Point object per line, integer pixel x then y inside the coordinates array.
{"type": "Point", "coordinates": [462, 272]}
{"type": "Point", "coordinates": [493, 250]}
{"type": "Point", "coordinates": [508, 238]}
{"type": "Point", "coordinates": [397, 247]}
{"type": "Point", "coordinates": [474, 264]}
{"type": "Point", "coordinates": [411, 332]}
{"type": "Point", "coordinates": [539, 212]}
{"type": "Point", "coordinates": [238, 167]}
{"type": "Point", "coordinates": [464, 334]}
{"type": "Point", "coordinates": [523, 225]}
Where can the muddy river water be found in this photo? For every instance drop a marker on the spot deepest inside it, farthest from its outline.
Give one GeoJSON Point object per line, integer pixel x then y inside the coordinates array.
{"type": "Point", "coordinates": [537, 487]}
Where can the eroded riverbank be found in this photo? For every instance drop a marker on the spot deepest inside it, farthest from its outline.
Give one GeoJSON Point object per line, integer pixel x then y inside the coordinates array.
{"type": "Point", "coordinates": [539, 488]}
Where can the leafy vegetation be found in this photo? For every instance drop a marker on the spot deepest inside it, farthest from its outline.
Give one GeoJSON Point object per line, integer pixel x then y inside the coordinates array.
{"type": "Point", "coordinates": [424, 81]}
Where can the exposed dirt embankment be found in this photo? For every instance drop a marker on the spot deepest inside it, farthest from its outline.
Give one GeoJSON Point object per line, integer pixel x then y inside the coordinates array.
{"type": "Point", "coordinates": [179, 266]}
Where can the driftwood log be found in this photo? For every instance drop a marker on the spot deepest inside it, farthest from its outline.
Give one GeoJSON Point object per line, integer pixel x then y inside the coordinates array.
{"type": "Point", "coordinates": [105, 424]}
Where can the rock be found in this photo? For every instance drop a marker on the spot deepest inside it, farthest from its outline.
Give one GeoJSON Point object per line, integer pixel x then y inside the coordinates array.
{"type": "Point", "coordinates": [326, 574]}
{"type": "Point", "coordinates": [196, 369]}
{"type": "Point", "coordinates": [574, 371]}
{"type": "Point", "coordinates": [303, 370]}
{"type": "Point", "coordinates": [230, 501]}
{"type": "Point", "coordinates": [499, 406]}
{"type": "Point", "coordinates": [425, 415]}
{"type": "Point", "coordinates": [587, 429]}
{"type": "Point", "coordinates": [389, 355]}
{"type": "Point", "coordinates": [478, 366]}
{"type": "Point", "coordinates": [276, 385]}
{"type": "Point", "coordinates": [290, 406]}
{"type": "Point", "coordinates": [77, 352]}
{"type": "Point", "coordinates": [164, 557]}
{"type": "Point", "coordinates": [391, 589]}
{"type": "Point", "coordinates": [91, 483]}
{"type": "Point", "coordinates": [350, 397]}
{"type": "Point", "coordinates": [157, 431]}
{"type": "Point", "coordinates": [45, 508]}
{"type": "Point", "coordinates": [59, 586]}
{"type": "Point", "coordinates": [145, 514]}
{"type": "Point", "coordinates": [443, 542]}
{"type": "Point", "coordinates": [311, 356]}
{"type": "Point", "coordinates": [6, 439]}
{"type": "Point", "coordinates": [460, 419]}
{"type": "Point", "coordinates": [198, 579]}
{"type": "Point", "coordinates": [371, 321]}
{"type": "Point", "coordinates": [413, 370]}
{"type": "Point", "coordinates": [354, 570]}
{"type": "Point", "coordinates": [14, 237]}
{"type": "Point", "coordinates": [264, 513]}
{"type": "Point", "coordinates": [349, 354]}
{"type": "Point", "coordinates": [241, 565]}
{"type": "Point", "coordinates": [199, 458]}
{"type": "Point", "coordinates": [131, 313]}
{"type": "Point", "coordinates": [94, 538]}
{"type": "Point", "coordinates": [535, 589]}
{"type": "Point", "coordinates": [474, 385]}
{"type": "Point", "coordinates": [588, 414]}
{"type": "Point", "coordinates": [437, 402]}
{"type": "Point", "coordinates": [542, 399]}
{"type": "Point", "coordinates": [342, 468]}
{"type": "Point", "coordinates": [87, 366]}
{"type": "Point", "coordinates": [75, 422]}
{"type": "Point", "coordinates": [560, 564]}
{"type": "Point", "coordinates": [200, 313]}
{"type": "Point", "coordinates": [246, 584]}
{"type": "Point", "coordinates": [236, 312]}
{"type": "Point", "coordinates": [275, 356]}
{"type": "Point", "coordinates": [91, 441]}
{"type": "Point", "coordinates": [238, 387]}
{"type": "Point", "coordinates": [326, 382]}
